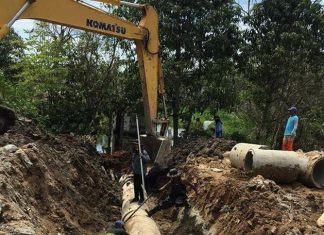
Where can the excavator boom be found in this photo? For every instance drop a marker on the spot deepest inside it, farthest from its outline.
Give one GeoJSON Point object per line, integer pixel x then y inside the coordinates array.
{"type": "Point", "coordinates": [76, 14]}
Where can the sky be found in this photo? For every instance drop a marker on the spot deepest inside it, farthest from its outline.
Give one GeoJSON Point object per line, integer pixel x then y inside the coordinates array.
{"type": "Point", "coordinates": [20, 26]}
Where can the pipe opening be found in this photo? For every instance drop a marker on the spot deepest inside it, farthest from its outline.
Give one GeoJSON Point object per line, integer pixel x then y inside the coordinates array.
{"type": "Point", "coordinates": [248, 161]}
{"type": "Point", "coordinates": [318, 173]}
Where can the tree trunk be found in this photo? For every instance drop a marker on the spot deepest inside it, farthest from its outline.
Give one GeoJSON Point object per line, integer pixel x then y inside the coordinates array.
{"type": "Point", "coordinates": [176, 100]}
{"type": "Point", "coordinates": [265, 116]}
{"type": "Point", "coordinates": [175, 108]}
{"type": "Point", "coordinates": [119, 132]}
{"type": "Point", "coordinates": [109, 132]}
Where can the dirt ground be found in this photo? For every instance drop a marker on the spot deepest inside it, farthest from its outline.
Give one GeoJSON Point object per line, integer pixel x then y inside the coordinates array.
{"type": "Point", "coordinates": [60, 185]}
{"type": "Point", "coordinates": [233, 202]}
{"type": "Point", "coordinates": [53, 185]}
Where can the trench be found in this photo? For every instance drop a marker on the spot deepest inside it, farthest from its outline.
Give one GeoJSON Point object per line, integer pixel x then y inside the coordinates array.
{"type": "Point", "coordinates": [189, 222]}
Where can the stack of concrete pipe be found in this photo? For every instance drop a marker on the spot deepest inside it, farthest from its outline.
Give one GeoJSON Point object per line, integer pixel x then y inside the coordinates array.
{"type": "Point", "coordinates": [280, 166]}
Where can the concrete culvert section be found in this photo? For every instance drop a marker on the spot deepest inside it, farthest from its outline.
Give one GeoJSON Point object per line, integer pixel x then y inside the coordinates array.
{"type": "Point", "coordinates": [287, 166]}
{"type": "Point", "coordinates": [312, 172]}
{"type": "Point", "coordinates": [280, 166]}
{"type": "Point", "coordinates": [318, 173]}
{"type": "Point", "coordinates": [239, 153]}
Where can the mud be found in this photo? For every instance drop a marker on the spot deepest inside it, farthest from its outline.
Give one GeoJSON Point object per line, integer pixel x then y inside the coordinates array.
{"type": "Point", "coordinates": [53, 185]}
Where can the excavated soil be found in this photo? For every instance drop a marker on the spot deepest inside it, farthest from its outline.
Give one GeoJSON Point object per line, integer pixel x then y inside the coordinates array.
{"type": "Point", "coordinates": [53, 184]}
{"type": "Point", "coordinates": [233, 202]}
{"type": "Point", "coordinates": [60, 185]}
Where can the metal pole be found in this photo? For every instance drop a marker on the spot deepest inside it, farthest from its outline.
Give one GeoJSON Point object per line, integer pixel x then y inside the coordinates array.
{"type": "Point", "coordinates": [19, 13]}
{"type": "Point", "coordinates": [140, 155]}
{"type": "Point", "coordinates": [129, 4]}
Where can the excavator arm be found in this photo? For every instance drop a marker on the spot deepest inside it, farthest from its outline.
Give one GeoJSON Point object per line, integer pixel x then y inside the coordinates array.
{"type": "Point", "coordinates": [79, 15]}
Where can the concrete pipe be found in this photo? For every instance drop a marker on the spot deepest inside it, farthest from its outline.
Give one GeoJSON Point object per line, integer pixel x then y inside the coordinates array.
{"type": "Point", "coordinates": [287, 166]}
{"type": "Point", "coordinates": [135, 216]}
{"type": "Point", "coordinates": [280, 166]}
{"type": "Point", "coordinates": [239, 153]}
{"type": "Point", "coordinates": [312, 172]}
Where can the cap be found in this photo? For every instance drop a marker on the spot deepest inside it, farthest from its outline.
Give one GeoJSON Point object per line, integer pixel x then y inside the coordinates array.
{"type": "Point", "coordinates": [292, 108]}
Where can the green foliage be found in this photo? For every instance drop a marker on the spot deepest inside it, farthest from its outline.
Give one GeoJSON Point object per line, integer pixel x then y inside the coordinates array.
{"type": "Point", "coordinates": [283, 61]}
{"type": "Point", "coordinates": [236, 126]}
{"type": "Point", "coordinates": [199, 42]}
{"type": "Point", "coordinates": [73, 81]}
{"type": "Point", "coordinates": [11, 51]}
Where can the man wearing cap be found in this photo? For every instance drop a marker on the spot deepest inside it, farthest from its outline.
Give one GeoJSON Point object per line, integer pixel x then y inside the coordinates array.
{"type": "Point", "coordinates": [177, 195]}
{"type": "Point", "coordinates": [136, 168]}
{"type": "Point", "coordinates": [118, 229]}
{"type": "Point", "coordinates": [290, 130]}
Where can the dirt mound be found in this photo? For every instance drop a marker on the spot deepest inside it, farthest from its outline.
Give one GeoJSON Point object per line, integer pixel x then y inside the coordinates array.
{"type": "Point", "coordinates": [53, 184]}
{"type": "Point", "coordinates": [231, 201]}
{"type": "Point", "coordinates": [202, 146]}
{"type": "Point", "coordinates": [232, 204]}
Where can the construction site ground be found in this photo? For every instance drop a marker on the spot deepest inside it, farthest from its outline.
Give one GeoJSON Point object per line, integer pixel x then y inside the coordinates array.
{"type": "Point", "coordinates": [59, 184]}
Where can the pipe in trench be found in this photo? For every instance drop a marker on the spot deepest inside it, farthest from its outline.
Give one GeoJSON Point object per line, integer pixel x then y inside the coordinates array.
{"type": "Point", "coordinates": [287, 166]}
{"type": "Point", "coordinates": [239, 152]}
{"type": "Point", "coordinates": [137, 223]}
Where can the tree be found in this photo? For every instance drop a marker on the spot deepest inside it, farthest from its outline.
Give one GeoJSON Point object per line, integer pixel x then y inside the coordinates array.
{"type": "Point", "coordinates": [283, 61]}
{"type": "Point", "coordinates": [199, 42]}
{"type": "Point", "coordinates": [11, 52]}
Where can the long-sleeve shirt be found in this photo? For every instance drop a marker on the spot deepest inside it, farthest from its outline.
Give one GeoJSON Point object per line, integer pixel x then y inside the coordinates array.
{"type": "Point", "coordinates": [136, 162]}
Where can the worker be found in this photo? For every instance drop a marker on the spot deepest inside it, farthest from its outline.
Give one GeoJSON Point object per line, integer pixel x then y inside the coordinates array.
{"type": "Point", "coordinates": [218, 127]}
{"type": "Point", "coordinates": [136, 168]}
{"type": "Point", "coordinates": [177, 195]}
{"type": "Point", "coordinates": [118, 229]}
{"type": "Point", "coordinates": [290, 130]}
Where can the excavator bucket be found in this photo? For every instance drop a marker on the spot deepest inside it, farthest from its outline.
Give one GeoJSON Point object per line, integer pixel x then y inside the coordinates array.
{"type": "Point", "coordinates": [159, 149]}
{"type": "Point", "coordinates": [7, 119]}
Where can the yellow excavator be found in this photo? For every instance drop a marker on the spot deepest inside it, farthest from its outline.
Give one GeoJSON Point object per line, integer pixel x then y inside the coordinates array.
{"type": "Point", "coordinates": [81, 15]}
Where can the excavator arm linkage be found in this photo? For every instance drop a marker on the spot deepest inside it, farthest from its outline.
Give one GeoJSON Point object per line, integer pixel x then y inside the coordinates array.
{"type": "Point", "coordinates": [79, 15]}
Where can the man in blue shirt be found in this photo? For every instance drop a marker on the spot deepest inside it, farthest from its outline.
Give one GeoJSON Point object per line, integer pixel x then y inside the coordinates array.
{"type": "Point", "coordinates": [290, 130]}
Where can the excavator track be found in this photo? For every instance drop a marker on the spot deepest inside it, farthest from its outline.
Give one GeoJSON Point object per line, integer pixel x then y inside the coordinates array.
{"type": "Point", "coordinates": [7, 119]}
